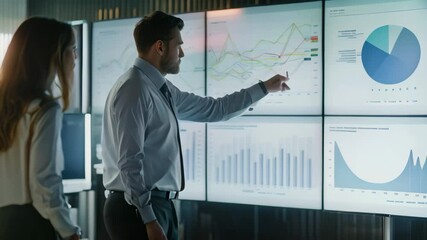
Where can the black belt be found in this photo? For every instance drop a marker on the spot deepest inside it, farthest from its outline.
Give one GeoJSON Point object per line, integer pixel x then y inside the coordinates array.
{"type": "Point", "coordinates": [165, 194]}
{"type": "Point", "coordinates": [169, 195]}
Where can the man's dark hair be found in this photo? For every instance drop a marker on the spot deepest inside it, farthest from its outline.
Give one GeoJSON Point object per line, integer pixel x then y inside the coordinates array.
{"type": "Point", "coordinates": [154, 27]}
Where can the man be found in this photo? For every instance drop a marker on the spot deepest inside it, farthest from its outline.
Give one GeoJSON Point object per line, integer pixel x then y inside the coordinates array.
{"type": "Point", "coordinates": [140, 134]}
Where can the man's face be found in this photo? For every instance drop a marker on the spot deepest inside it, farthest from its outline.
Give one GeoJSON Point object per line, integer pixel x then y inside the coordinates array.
{"type": "Point", "coordinates": [173, 53]}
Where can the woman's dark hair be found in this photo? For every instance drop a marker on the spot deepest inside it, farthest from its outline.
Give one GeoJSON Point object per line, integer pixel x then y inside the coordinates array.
{"type": "Point", "coordinates": [154, 27]}
{"type": "Point", "coordinates": [33, 59]}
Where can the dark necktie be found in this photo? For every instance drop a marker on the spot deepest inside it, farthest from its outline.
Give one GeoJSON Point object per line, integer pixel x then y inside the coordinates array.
{"type": "Point", "coordinates": [165, 90]}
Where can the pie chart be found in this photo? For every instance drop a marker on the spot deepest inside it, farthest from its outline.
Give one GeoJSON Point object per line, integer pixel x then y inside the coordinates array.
{"type": "Point", "coordinates": [391, 54]}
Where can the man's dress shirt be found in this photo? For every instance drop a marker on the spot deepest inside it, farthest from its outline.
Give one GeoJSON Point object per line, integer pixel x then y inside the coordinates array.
{"type": "Point", "coordinates": [140, 146]}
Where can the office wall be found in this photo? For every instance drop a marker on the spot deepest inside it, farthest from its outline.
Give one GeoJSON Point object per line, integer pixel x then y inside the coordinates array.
{"type": "Point", "coordinates": [94, 10]}
{"type": "Point", "coordinates": [206, 220]}
{"type": "Point", "coordinates": [12, 12]}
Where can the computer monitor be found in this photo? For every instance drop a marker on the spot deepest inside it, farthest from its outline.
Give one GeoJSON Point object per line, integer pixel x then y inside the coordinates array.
{"type": "Point", "coordinates": [76, 144]}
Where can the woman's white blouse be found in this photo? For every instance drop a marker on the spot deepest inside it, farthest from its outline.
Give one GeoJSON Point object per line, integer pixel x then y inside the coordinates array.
{"type": "Point", "coordinates": [38, 182]}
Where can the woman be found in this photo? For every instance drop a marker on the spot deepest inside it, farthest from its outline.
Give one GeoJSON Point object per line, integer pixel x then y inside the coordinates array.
{"type": "Point", "coordinates": [32, 204]}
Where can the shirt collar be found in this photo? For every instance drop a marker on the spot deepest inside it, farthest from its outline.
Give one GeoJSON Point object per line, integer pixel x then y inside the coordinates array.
{"type": "Point", "coordinates": [152, 73]}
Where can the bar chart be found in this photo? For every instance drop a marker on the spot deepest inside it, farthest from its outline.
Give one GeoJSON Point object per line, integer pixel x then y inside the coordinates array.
{"type": "Point", "coordinates": [193, 145]}
{"type": "Point", "coordinates": [275, 161]}
{"type": "Point", "coordinates": [247, 166]}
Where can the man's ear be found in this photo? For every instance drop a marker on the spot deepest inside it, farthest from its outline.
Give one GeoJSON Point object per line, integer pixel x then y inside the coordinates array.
{"type": "Point", "coordinates": [160, 46]}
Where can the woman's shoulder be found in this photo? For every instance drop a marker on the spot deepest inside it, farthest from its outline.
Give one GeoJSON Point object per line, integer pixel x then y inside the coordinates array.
{"type": "Point", "coordinates": [43, 105]}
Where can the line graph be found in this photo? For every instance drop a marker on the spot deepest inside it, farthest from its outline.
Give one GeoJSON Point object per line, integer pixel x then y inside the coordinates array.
{"type": "Point", "coordinates": [191, 76]}
{"type": "Point", "coordinates": [121, 62]}
{"type": "Point", "coordinates": [255, 44]}
{"type": "Point", "coordinates": [114, 52]}
{"type": "Point", "coordinates": [286, 48]}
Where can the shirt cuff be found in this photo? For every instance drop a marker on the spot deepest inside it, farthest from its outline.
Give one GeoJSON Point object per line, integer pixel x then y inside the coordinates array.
{"type": "Point", "coordinates": [62, 223]}
{"type": "Point", "coordinates": [147, 214]}
{"type": "Point", "coordinates": [256, 92]}
{"type": "Point", "coordinates": [262, 85]}
{"type": "Point", "coordinates": [145, 210]}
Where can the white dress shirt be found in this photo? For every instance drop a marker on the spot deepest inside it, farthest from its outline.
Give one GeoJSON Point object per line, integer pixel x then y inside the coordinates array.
{"type": "Point", "coordinates": [140, 146]}
{"type": "Point", "coordinates": [40, 181]}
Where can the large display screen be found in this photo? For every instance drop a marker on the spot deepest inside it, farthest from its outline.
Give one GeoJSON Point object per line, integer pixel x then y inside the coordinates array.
{"type": "Point", "coordinates": [193, 145]}
{"type": "Point", "coordinates": [374, 61]}
{"type": "Point", "coordinates": [191, 76]}
{"type": "Point", "coordinates": [246, 45]}
{"type": "Point", "coordinates": [376, 165]}
{"type": "Point", "coordinates": [274, 161]}
{"type": "Point", "coordinates": [79, 96]}
{"type": "Point", "coordinates": [76, 144]}
{"type": "Point", "coordinates": [114, 52]}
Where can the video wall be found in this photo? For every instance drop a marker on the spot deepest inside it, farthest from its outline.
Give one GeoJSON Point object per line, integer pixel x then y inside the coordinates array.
{"type": "Point", "coordinates": [114, 52]}
{"type": "Point", "coordinates": [375, 107]}
{"type": "Point", "coordinates": [348, 136]}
